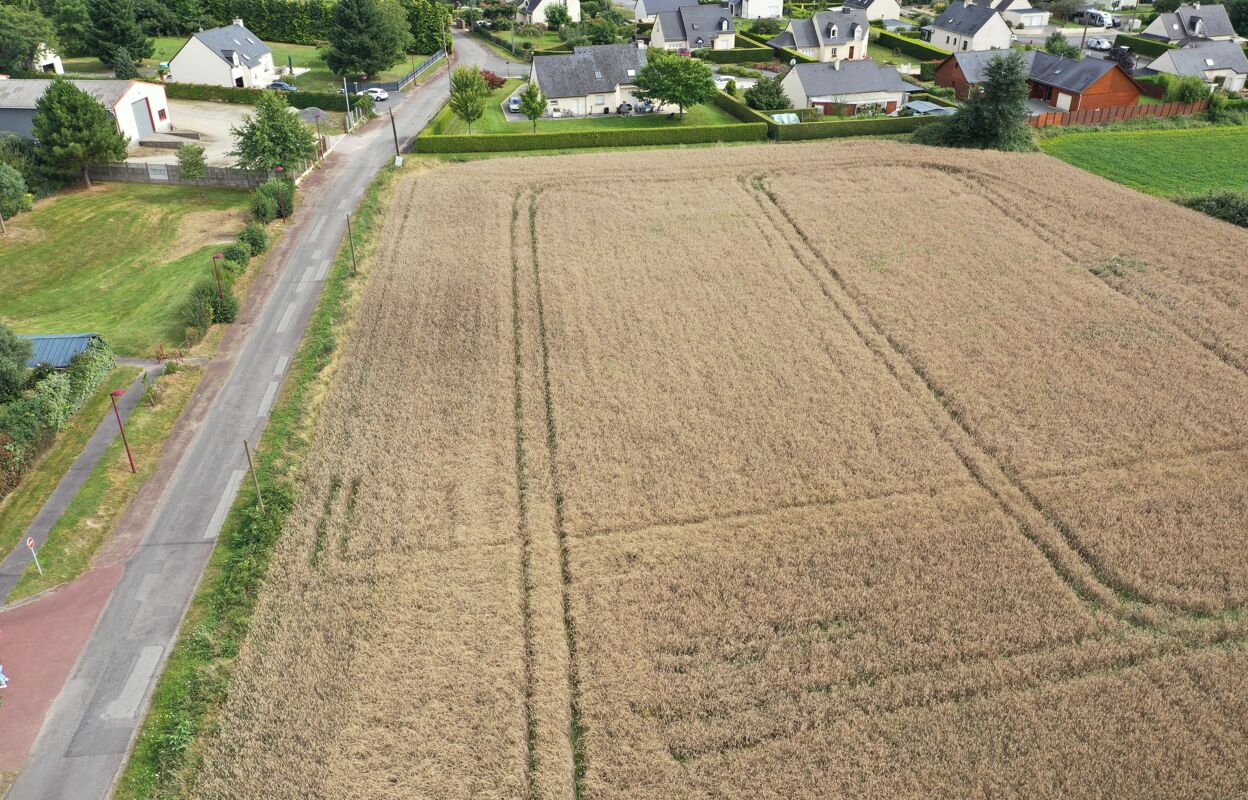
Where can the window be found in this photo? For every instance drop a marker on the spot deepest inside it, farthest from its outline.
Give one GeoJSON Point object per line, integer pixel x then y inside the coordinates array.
{"type": "Point", "coordinates": [946, 40]}
{"type": "Point", "coordinates": [164, 115]}
{"type": "Point", "coordinates": [964, 45]}
{"type": "Point", "coordinates": [601, 100]}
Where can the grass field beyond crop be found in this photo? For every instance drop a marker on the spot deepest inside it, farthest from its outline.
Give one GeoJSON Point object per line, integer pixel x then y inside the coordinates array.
{"type": "Point", "coordinates": [1169, 163]}
{"type": "Point", "coordinates": [117, 260]}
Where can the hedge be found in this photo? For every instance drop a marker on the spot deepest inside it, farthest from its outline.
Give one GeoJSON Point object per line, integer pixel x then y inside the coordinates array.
{"type": "Point", "coordinates": [738, 55]}
{"type": "Point", "coordinates": [740, 110]}
{"type": "Point", "coordinates": [751, 40]}
{"type": "Point", "coordinates": [295, 21]}
{"type": "Point", "coordinates": [248, 97]}
{"type": "Point", "coordinates": [1138, 44]}
{"type": "Point", "coordinates": [850, 127]}
{"type": "Point", "coordinates": [911, 47]}
{"type": "Point", "coordinates": [618, 137]}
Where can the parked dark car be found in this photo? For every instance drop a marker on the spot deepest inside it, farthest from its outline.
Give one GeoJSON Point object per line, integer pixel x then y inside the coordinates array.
{"type": "Point", "coordinates": [646, 108]}
{"type": "Point", "coordinates": [624, 108]}
{"type": "Point", "coordinates": [282, 86]}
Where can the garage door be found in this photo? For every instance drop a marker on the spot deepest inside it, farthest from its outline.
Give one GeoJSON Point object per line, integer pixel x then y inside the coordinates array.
{"type": "Point", "coordinates": [1063, 101]}
{"type": "Point", "coordinates": [142, 118]}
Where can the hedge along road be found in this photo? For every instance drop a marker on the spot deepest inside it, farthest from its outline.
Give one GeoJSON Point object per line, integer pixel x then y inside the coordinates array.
{"type": "Point", "coordinates": [92, 723]}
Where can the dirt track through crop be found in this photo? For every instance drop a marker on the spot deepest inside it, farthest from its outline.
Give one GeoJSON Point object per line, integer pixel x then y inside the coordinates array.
{"type": "Point", "coordinates": [708, 484]}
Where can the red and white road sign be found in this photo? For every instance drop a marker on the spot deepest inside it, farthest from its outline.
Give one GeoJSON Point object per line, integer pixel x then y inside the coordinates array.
{"type": "Point", "coordinates": [30, 542]}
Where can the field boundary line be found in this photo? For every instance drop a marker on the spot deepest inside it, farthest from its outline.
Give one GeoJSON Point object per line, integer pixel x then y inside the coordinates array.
{"type": "Point", "coordinates": [1068, 557]}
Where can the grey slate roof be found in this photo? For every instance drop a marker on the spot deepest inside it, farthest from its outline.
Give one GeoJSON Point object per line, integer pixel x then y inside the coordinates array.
{"type": "Point", "coordinates": [817, 31]}
{"type": "Point", "coordinates": [235, 39]}
{"type": "Point", "coordinates": [25, 92]}
{"type": "Point", "coordinates": [58, 350]}
{"type": "Point", "coordinates": [1215, 21]}
{"type": "Point", "coordinates": [1194, 60]}
{"type": "Point", "coordinates": [652, 7]}
{"type": "Point", "coordinates": [588, 70]}
{"type": "Point", "coordinates": [853, 77]}
{"type": "Point", "coordinates": [964, 19]}
{"type": "Point", "coordinates": [1042, 67]}
{"type": "Point", "coordinates": [529, 6]}
{"type": "Point", "coordinates": [694, 23]}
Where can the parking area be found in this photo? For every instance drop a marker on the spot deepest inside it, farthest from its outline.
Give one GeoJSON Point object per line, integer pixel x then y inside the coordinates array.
{"type": "Point", "coordinates": [211, 120]}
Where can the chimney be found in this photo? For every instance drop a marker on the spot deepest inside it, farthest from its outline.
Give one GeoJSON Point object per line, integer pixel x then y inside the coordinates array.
{"type": "Point", "coordinates": [238, 21]}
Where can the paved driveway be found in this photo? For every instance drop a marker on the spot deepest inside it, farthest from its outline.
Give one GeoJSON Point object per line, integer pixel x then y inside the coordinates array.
{"type": "Point", "coordinates": [212, 120]}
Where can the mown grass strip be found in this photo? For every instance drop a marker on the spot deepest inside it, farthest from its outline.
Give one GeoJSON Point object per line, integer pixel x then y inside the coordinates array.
{"type": "Point", "coordinates": [196, 681]}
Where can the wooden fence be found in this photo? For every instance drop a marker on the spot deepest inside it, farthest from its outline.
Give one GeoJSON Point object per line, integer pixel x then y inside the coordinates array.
{"type": "Point", "coordinates": [1100, 116]}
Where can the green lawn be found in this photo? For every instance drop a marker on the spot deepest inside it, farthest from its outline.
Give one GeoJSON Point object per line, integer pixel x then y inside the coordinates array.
{"type": "Point", "coordinates": [1169, 163]}
{"type": "Point", "coordinates": [494, 121]}
{"type": "Point", "coordinates": [111, 261]}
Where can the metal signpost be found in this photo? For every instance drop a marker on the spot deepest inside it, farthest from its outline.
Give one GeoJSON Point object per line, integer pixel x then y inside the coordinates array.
{"type": "Point", "coordinates": [30, 545]}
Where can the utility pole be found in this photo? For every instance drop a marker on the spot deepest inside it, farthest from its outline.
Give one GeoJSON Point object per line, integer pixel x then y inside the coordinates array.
{"type": "Point", "coordinates": [351, 243]}
{"type": "Point", "coordinates": [216, 271]}
{"type": "Point", "coordinates": [252, 467]}
{"type": "Point", "coordinates": [348, 99]}
{"type": "Point", "coordinates": [394, 129]}
{"type": "Point", "coordinates": [113, 396]}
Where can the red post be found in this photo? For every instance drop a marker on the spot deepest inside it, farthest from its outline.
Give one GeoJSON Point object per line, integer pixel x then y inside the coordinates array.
{"type": "Point", "coordinates": [116, 413]}
{"type": "Point", "coordinates": [216, 271]}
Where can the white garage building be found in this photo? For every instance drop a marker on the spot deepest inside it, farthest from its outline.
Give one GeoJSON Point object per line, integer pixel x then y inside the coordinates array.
{"type": "Point", "coordinates": [139, 108]}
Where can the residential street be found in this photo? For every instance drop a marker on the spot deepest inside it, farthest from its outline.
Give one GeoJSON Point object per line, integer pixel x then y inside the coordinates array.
{"type": "Point", "coordinates": [154, 568]}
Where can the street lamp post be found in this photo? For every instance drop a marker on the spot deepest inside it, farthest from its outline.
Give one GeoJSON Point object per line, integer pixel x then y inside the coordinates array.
{"type": "Point", "coordinates": [216, 271]}
{"type": "Point", "coordinates": [281, 207]}
{"type": "Point", "coordinates": [320, 140]}
{"type": "Point", "coordinates": [113, 396]}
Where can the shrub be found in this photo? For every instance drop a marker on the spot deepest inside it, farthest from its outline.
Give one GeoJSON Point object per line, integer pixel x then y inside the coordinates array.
{"type": "Point", "coordinates": [1188, 89]}
{"type": "Point", "coordinates": [739, 72]}
{"type": "Point", "coordinates": [196, 310]}
{"type": "Point", "coordinates": [254, 236]}
{"type": "Point", "coordinates": [810, 114]}
{"type": "Point", "coordinates": [13, 195]}
{"type": "Point", "coordinates": [493, 80]}
{"type": "Point", "coordinates": [1225, 205]}
{"type": "Point", "coordinates": [282, 194]}
{"type": "Point", "coordinates": [237, 252]}
{"type": "Point", "coordinates": [927, 71]}
{"type": "Point", "coordinates": [765, 27]}
{"type": "Point", "coordinates": [263, 208]}
{"type": "Point", "coordinates": [731, 87]}
{"type": "Point", "coordinates": [767, 95]}
{"type": "Point", "coordinates": [233, 268]}
{"type": "Point", "coordinates": [232, 94]}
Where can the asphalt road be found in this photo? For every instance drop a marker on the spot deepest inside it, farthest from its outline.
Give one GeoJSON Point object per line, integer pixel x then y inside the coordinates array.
{"type": "Point", "coordinates": [92, 724]}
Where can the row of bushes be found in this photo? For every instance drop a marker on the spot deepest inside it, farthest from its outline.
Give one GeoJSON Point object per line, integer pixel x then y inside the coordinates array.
{"type": "Point", "coordinates": [1138, 44]}
{"type": "Point", "coordinates": [617, 137]}
{"type": "Point", "coordinates": [737, 55]}
{"type": "Point", "coordinates": [297, 21]}
{"type": "Point", "coordinates": [30, 423]}
{"type": "Point", "coordinates": [325, 101]}
{"type": "Point", "coordinates": [923, 51]}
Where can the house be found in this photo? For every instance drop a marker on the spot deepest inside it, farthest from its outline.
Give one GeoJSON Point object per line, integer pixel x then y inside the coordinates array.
{"type": "Point", "coordinates": [533, 12]}
{"type": "Point", "coordinates": [59, 350]}
{"type": "Point", "coordinates": [229, 56]}
{"type": "Point", "coordinates": [1222, 64]}
{"type": "Point", "coordinates": [695, 28]}
{"type": "Point", "coordinates": [139, 108]}
{"type": "Point", "coordinates": [828, 35]}
{"type": "Point", "coordinates": [1192, 23]}
{"type": "Point", "coordinates": [847, 88]}
{"type": "Point", "coordinates": [647, 10]}
{"type": "Point", "coordinates": [877, 9]}
{"type": "Point", "coordinates": [47, 60]}
{"type": "Point", "coordinates": [757, 9]}
{"type": "Point", "coordinates": [966, 26]}
{"type": "Point", "coordinates": [1018, 13]}
{"type": "Point", "coordinates": [591, 80]}
{"type": "Point", "coordinates": [1055, 81]}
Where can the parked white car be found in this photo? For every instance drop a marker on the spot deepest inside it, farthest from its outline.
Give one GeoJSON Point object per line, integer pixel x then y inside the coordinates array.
{"type": "Point", "coordinates": [378, 95]}
{"type": "Point", "coordinates": [1099, 43]}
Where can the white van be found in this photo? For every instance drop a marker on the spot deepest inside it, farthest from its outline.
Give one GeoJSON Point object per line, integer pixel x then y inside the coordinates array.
{"type": "Point", "coordinates": [1095, 16]}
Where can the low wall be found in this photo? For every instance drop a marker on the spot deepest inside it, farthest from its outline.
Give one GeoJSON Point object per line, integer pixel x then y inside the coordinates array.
{"type": "Point", "coordinates": [218, 177]}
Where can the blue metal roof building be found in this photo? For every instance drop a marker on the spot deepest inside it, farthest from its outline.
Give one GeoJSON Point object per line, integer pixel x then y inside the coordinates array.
{"type": "Point", "coordinates": [59, 349]}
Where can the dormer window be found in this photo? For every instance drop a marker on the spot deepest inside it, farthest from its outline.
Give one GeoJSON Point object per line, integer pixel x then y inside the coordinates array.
{"type": "Point", "coordinates": [723, 24]}
{"type": "Point", "coordinates": [833, 31]}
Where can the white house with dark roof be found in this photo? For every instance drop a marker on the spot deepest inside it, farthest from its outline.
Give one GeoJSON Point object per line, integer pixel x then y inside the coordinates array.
{"type": "Point", "coordinates": [229, 56]}
{"type": "Point", "coordinates": [847, 88]}
{"type": "Point", "coordinates": [828, 35]}
{"type": "Point", "coordinates": [1018, 13]}
{"type": "Point", "coordinates": [877, 9]}
{"type": "Point", "coordinates": [594, 79]}
{"type": "Point", "coordinates": [695, 28]}
{"type": "Point", "coordinates": [1222, 64]}
{"type": "Point", "coordinates": [966, 26]}
{"type": "Point", "coordinates": [139, 108]}
{"type": "Point", "coordinates": [648, 10]}
{"type": "Point", "coordinates": [1192, 23]}
{"type": "Point", "coordinates": [533, 12]}
{"type": "Point", "coordinates": [757, 9]}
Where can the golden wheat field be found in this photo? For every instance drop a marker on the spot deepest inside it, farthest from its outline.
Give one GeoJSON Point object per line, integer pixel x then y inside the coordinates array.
{"type": "Point", "coordinates": [853, 470]}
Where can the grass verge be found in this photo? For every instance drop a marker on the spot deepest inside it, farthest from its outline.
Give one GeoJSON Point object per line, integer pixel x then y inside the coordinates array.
{"type": "Point", "coordinates": [22, 505]}
{"type": "Point", "coordinates": [195, 682]}
{"type": "Point", "coordinates": [91, 515]}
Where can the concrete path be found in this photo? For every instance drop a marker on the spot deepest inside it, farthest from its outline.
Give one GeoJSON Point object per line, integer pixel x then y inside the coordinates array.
{"type": "Point", "coordinates": [15, 563]}
{"type": "Point", "coordinates": [91, 726]}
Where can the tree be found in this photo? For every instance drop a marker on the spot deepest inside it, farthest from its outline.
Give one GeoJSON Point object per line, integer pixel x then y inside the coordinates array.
{"type": "Point", "coordinates": [471, 15]}
{"type": "Point", "coordinates": [765, 27]}
{"type": "Point", "coordinates": [672, 79]}
{"type": "Point", "coordinates": [427, 21]}
{"type": "Point", "coordinates": [273, 136]}
{"type": "Point", "coordinates": [22, 34]}
{"type": "Point", "coordinates": [1065, 9]}
{"type": "Point", "coordinates": [367, 38]}
{"type": "Point", "coordinates": [532, 103]}
{"type": "Point", "coordinates": [767, 95]}
{"type": "Point", "coordinates": [1059, 46]}
{"type": "Point", "coordinates": [601, 31]}
{"type": "Point", "coordinates": [114, 27]}
{"type": "Point", "coordinates": [557, 16]}
{"type": "Point", "coordinates": [193, 164]}
{"type": "Point", "coordinates": [14, 353]}
{"type": "Point", "coordinates": [1237, 10]}
{"type": "Point", "coordinates": [73, 131]}
{"type": "Point", "coordinates": [1123, 57]}
{"type": "Point", "coordinates": [72, 21]}
{"type": "Point", "coordinates": [993, 118]}
{"type": "Point", "coordinates": [469, 94]}
{"type": "Point", "coordinates": [14, 196]}
{"type": "Point", "coordinates": [123, 65]}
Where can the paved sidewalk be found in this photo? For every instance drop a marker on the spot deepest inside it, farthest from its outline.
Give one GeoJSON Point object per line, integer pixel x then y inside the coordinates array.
{"type": "Point", "coordinates": [15, 563]}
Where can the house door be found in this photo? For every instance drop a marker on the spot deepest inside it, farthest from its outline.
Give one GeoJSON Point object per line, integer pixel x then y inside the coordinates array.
{"type": "Point", "coordinates": [142, 118]}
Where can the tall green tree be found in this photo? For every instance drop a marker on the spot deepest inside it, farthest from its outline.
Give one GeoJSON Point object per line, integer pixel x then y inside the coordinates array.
{"type": "Point", "coordinates": [273, 136]}
{"type": "Point", "coordinates": [469, 94]}
{"type": "Point", "coordinates": [672, 79]}
{"type": "Point", "coordinates": [72, 21]}
{"type": "Point", "coordinates": [1058, 45]}
{"type": "Point", "coordinates": [14, 353]}
{"type": "Point", "coordinates": [368, 37]}
{"type": "Point", "coordinates": [767, 94]}
{"type": "Point", "coordinates": [14, 195]}
{"type": "Point", "coordinates": [532, 103]}
{"type": "Point", "coordinates": [73, 131]}
{"type": "Point", "coordinates": [22, 33]}
{"type": "Point", "coordinates": [995, 118]}
{"type": "Point", "coordinates": [428, 22]}
{"type": "Point", "coordinates": [557, 15]}
{"type": "Point", "coordinates": [114, 27]}
{"type": "Point", "coordinates": [193, 165]}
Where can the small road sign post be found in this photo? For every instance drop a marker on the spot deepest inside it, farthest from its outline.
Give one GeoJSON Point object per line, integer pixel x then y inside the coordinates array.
{"type": "Point", "coordinates": [30, 544]}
